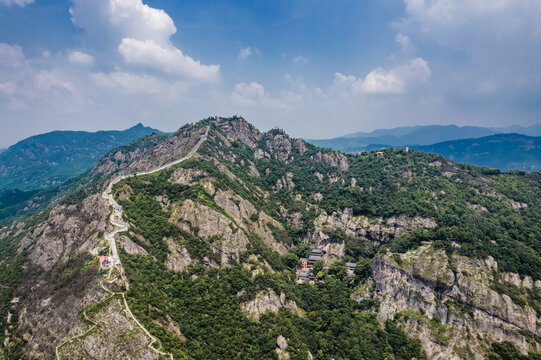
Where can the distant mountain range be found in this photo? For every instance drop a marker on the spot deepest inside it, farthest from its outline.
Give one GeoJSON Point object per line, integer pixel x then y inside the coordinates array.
{"type": "Point", "coordinates": [46, 160]}
{"type": "Point", "coordinates": [502, 151]}
{"type": "Point", "coordinates": [509, 148]}
{"type": "Point", "coordinates": [417, 135]}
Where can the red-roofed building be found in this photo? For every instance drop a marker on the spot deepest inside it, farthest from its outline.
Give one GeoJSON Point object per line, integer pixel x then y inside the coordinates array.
{"type": "Point", "coordinates": [104, 260]}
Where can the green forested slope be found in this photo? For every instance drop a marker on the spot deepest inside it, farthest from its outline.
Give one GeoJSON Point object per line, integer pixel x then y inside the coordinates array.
{"type": "Point", "coordinates": [47, 160]}
{"type": "Point", "coordinates": [479, 213]}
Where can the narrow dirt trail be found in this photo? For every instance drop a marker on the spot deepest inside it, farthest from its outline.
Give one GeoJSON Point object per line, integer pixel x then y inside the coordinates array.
{"type": "Point", "coordinates": [120, 226]}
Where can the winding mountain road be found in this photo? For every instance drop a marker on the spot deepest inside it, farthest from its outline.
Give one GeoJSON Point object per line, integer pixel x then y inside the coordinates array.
{"type": "Point", "coordinates": [116, 216]}
{"type": "Point", "coordinates": [119, 226]}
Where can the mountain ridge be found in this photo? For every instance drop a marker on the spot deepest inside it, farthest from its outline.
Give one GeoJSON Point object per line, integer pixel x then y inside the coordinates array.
{"type": "Point", "coordinates": [46, 160]}
{"type": "Point", "coordinates": [211, 253]}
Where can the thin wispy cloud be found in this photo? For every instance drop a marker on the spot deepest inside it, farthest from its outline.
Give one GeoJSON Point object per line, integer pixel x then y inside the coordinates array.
{"type": "Point", "coordinates": [20, 3]}
{"type": "Point", "coordinates": [300, 60]}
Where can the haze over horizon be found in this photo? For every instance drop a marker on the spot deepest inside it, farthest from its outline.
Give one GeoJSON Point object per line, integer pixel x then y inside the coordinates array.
{"type": "Point", "coordinates": [316, 70]}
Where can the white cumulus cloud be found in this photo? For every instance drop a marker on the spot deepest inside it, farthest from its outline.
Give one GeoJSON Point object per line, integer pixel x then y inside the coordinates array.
{"type": "Point", "coordinates": [141, 35]}
{"type": "Point", "coordinates": [167, 59]}
{"type": "Point", "coordinates": [51, 80]}
{"type": "Point", "coordinates": [254, 95]}
{"type": "Point", "coordinates": [396, 80]}
{"type": "Point", "coordinates": [141, 21]}
{"type": "Point", "coordinates": [78, 57]}
{"type": "Point", "coordinates": [380, 81]}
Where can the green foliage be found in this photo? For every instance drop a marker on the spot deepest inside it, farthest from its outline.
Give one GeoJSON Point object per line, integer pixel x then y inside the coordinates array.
{"type": "Point", "coordinates": [72, 276]}
{"type": "Point", "coordinates": [42, 161]}
{"type": "Point", "coordinates": [302, 250]}
{"type": "Point", "coordinates": [507, 351]}
{"type": "Point", "coordinates": [460, 308]}
{"type": "Point", "coordinates": [403, 347]}
{"type": "Point", "coordinates": [318, 266]}
{"type": "Point", "coordinates": [363, 270]}
{"type": "Point", "coordinates": [208, 312]}
{"type": "Point", "coordinates": [10, 274]}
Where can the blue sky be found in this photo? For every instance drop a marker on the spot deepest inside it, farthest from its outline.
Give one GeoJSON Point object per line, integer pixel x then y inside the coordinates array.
{"type": "Point", "coordinates": [315, 68]}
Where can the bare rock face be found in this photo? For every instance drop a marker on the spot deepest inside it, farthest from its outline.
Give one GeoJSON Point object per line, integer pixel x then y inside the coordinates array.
{"type": "Point", "coordinates": [281, 349]}
{"type": "Point", "coordinates": [286, 182]}
{"type": "Point", "coordinates": [48, 321]}
{"type": "Point", "coordinates": [334, 252]}
{"type": "Point", "coordinates": [162, 153]}
{"type": "Point", "coordinates": [335, 160]}
{"type": "Point", "coordinates": [300, 146]}
{"type": "Point", "coordinates": [378, 231]}
{"type": "Point", "coordinates": [230, 240]}
{"type": "Point", "coordinates": [121, 159]}
{"type": "Point", "coordinates": [239, 129]}
{"type": "Point", "coordinates": [129, 246]}
{"type": "Point", "coordinates": [116, 161]}
{"type": "Point", "coordinates": [260, 154]}
{"type": "Point", "coordinates": [252, 170]}
{"type": "Point", "coordinates": [186, 176]}
{"type": "Point", "coordinates": [117, 337]}
{"type": "Point", "coordinates": [267, 300]}
{"type": "Point", "coordinates": [515, 280]}
{"type": "Point", "coordinates": [244, 213]}
{"type": "Point", "coordinates": [421, 283]}
{"type": "Point", "coordinates": [279, 145]}
{"type": "Point", "coordinates": [174, 148]}
{"type": "Point", "coordinates": [178, 258]}
{"type": "Point", "coordinates": [237, 207]}
{"type": "Point", "coordinates": [48, 312]}
{"type": "Point", "coordinates": [68, 230]}
{"type": "Point", "coordinates": [489, 191]}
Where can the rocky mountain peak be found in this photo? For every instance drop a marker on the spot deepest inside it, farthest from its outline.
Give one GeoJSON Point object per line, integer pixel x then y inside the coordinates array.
{"type": "Point", "coordinates": [236, 128]}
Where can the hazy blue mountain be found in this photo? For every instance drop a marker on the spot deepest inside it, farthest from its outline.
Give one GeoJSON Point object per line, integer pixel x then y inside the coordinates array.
{"type": "Point", "coordinates": [502, 151]}
{"type": "Point", "coordinates": [46, 160]}
{"type": "Point", "coordinates": [533, 130]}
{"type": "Point", "coordinates": [402, 136]}
{"type": "Point", "coordinates": [417, 135]}
{"type": "Point", "coordinates": [399, 131]}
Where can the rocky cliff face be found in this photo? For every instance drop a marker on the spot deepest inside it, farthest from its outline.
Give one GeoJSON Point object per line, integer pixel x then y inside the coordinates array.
{"type": "Point", "coordinates": [377, 231]}
{"type": "Point", "coordinates": [117, 337]}
{"type": "Point", "coordinates": [149, 154]}
{"type": "Point", "coordinates": [60, 277]}
{"type": "Point", "coordinates": [239, 129]}
{"type": "Point", "coordinates": [267, 300]}
{"type": "Point", "coordinates": [446, 301]}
